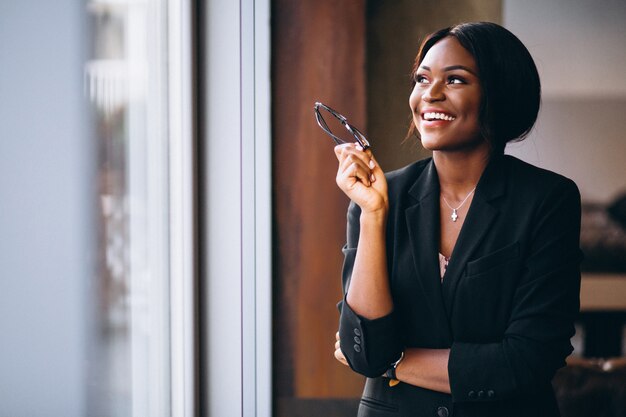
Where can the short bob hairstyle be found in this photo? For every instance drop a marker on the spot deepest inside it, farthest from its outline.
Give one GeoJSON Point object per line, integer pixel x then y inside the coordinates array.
{"type": "Point", "coordinates": [511, 90]}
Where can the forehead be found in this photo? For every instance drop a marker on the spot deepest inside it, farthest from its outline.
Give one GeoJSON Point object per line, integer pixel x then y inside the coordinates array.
{"type": "Point", "coordinates": [449, 52]}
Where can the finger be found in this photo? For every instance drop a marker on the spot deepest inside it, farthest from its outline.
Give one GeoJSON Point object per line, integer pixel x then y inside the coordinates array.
{"type": "Point", "coordinates": [340, 149]}
{"type": "Point", "coordinates": [365, 171]}
{"type": "Point", "coordinates": [360, 159]}
{"type": "Point", "coordinates": [352, 158]}
{"type": "Point", "coordinates": [348, 177]}
{"type": "Point", "coordinates": [344, 150]}
{"type": "Point", "coordinates": [374, 166]}
{"type": "Point", "coordinates": [373, 163]}
{"type": "Point", "coordinates": [337, 336]}
{"type": "Point", "coordinates": [337, 345]}
{"type": "Point", "coordinates": [359, 173]}
{"type": "Point", "coordinates": [368, 158]}
{"type": "Point", "coordinates": [349, 149]}
{"type": "Point", "coordinates": [339, 356]}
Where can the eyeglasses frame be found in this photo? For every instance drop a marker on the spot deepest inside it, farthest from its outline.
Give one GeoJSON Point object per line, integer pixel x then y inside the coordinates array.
{"type": "Point", "coordinates": [358, 135]}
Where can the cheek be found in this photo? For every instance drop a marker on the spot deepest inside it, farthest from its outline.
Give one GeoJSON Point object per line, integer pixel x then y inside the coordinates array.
{"type": "Point", "coordinates": [473, 105]}
{"type": "Point", "coordinates": [469, 107]}
{"type": "Point", "coordinates": [476, 109]}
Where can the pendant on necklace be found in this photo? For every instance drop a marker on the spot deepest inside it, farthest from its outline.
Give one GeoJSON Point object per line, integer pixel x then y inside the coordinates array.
{"type": "Point", "coordinates": [454, 216]}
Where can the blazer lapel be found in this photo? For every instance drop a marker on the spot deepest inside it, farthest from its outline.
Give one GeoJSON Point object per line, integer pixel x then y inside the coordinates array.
{"type": "Point", "coordinates": [480, 218]}
{"type": "Point", "coordinates": [423, 226]}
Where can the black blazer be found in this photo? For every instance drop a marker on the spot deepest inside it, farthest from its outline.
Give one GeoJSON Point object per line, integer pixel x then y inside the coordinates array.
{"type": "Point", "coordinates": [506, 306]}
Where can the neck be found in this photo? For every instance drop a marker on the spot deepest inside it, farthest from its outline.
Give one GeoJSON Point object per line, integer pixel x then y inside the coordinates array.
{"type": "Point", "coordinates": [459, 173]}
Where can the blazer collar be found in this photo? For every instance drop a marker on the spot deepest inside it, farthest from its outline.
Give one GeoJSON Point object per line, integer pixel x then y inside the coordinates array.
{"type": "Point", "coordinates": [422, 220]}
{"type": "Point", "coordinates": [492, 183]}
{"type": "Point", "coordinates": [427, 182]}
{"type": "Point", "coordinates": [423, 225]}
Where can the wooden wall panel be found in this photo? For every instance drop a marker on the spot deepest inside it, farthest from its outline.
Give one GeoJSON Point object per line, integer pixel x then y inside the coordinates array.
{"type": "Point", "coordinates": [318, 50]}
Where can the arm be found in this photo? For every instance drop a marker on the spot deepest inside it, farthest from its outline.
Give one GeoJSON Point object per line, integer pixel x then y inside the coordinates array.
{"type": "Point", "coordinates": [367, 328]}
{"type": "Point", "coordinates": [545, 304]}
{"type": "Point", "coordinates": [426, 368]}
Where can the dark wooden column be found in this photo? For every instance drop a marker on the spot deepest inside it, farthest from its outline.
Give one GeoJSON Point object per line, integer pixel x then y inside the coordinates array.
{"type": "Point", "coordinates": [318, 54]}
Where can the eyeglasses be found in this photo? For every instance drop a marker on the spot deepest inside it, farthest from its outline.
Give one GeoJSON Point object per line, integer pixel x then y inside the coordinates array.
{"type": "Point", "coordinates": [356, 133]}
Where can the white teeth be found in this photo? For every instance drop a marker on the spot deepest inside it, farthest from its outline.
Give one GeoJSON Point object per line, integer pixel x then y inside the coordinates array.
{"type": "Point", "coordinates": [440, 116]}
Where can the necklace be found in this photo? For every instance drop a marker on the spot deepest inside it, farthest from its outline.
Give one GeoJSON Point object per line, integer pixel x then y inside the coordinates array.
{"type": "Point", "coordinates": [454, 216]}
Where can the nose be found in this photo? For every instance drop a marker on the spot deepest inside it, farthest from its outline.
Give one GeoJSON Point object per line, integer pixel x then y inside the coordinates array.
{"type": "Point", "coordinates": [433, 93]}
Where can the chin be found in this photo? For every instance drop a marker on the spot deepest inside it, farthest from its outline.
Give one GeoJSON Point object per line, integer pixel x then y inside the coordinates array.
{"type": "Point", "coordinates": [444, 141]}
{"type": "Point", "coordinates": [433, 144]}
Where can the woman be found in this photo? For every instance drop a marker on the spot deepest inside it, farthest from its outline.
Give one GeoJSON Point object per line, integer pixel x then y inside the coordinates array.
{"type": "Point", "coordinates": [461, 273]}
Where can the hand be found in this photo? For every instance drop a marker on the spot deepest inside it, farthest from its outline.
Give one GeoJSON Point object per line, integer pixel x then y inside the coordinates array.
{"type": "Point", "coordinates": [360, 177]}
{"type": "Point", "coordinates": [338, 353]}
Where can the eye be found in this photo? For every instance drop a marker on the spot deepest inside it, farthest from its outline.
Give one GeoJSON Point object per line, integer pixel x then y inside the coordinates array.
{"type": "Point", "coordinates": [455, 79]}
{"type": "Point", "coordinates": [420, 79]}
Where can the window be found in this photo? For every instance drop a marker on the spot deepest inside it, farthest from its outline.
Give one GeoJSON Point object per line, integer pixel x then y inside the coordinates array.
{"type": "Point", "coordinates": [141, 360]}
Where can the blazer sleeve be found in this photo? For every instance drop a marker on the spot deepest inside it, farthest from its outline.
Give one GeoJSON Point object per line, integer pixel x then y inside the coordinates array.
{"type": "Point", "coordinates": [370, 346]}
{"type": "Point", "coordinates": [545, 305]}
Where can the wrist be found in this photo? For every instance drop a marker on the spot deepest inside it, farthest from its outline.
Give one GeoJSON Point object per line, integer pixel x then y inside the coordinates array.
{"type": "Point", "coordinates": [378, 216]}
{"type": "Point", "coordinates": [391, 372]}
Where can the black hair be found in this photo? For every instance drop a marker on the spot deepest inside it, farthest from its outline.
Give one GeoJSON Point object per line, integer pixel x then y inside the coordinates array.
{"type": "Point", "coordinates": [511, 90]}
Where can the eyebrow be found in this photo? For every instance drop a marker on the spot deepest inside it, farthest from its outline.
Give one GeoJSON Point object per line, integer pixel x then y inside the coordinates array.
{"type": "Point", "coordinates": [452, 68]}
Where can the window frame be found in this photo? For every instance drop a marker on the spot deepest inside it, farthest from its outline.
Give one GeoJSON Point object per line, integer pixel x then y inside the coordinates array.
{"type": "Point", "coordinates": [236, 209]}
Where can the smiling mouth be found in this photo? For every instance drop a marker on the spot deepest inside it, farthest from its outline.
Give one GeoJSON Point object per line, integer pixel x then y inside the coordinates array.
{"type": "Point", "coordinates": [437, 116]}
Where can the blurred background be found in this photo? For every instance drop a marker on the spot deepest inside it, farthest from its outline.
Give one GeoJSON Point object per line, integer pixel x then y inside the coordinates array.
{"type": "Point", "coordinates": [171, 227]}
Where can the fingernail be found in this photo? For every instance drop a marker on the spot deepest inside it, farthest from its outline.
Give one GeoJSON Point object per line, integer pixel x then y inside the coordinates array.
{"type": "Point", "coordinates": [372, 177]}
{"type": "Point", "coordinates": [372, 164]}
{"type": "Point", "coordinates": [359, 148]}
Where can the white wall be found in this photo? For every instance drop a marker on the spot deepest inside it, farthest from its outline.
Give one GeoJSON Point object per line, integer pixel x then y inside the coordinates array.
{"type": "Point", "coordinates": [578, 46]}
{"type": "Point", "coordinates": [45, 172]}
